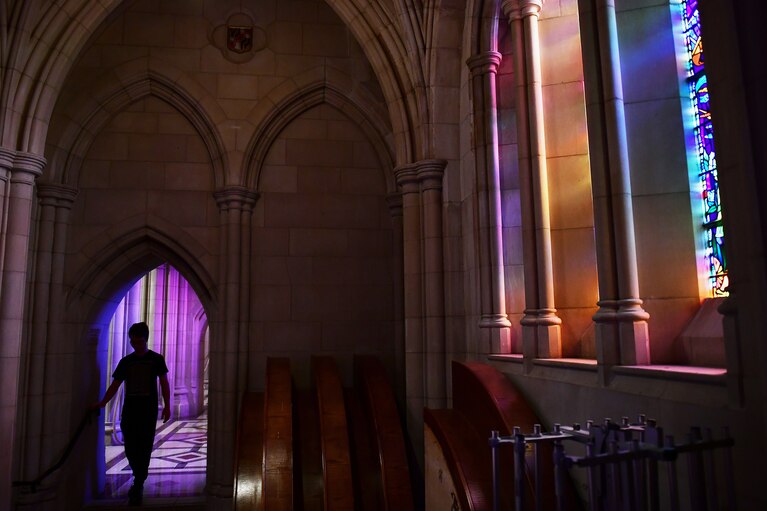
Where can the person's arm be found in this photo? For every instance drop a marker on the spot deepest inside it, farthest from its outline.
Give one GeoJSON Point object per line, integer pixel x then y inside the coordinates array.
{"type": "Point", "coordinates": [110, 393]}
{"type": "Point", "coordinates": [165, 397]}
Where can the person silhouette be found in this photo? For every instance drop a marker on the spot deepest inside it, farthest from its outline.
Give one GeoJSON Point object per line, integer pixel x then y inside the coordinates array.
{"type": "Point", "coordinates": [140, 371]}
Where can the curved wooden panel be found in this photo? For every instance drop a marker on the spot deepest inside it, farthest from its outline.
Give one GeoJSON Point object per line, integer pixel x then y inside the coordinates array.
{"type": "Point", "coordinates": [248, 463]}
{"type": "Point", "coordinates": [491, 400]}
{"type": "Point", "coordinates": [278, 436]}
{"type": "Point", "coordinates": [468, 462]}
{"type": "Point", "coordinates": [372, 384]}
{"type": "Point", "coordinates": [481, 392]}
{"type": "Point", "coordinates": [307, 459]}
{"type": "Point", "coordinates": [334, 436]}
{"type": "Point", "coordinates": [366, 469]}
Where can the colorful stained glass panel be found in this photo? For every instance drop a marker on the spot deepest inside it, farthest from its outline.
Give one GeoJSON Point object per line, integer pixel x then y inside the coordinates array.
{"type": "Point", "coordinates": [708, 178]}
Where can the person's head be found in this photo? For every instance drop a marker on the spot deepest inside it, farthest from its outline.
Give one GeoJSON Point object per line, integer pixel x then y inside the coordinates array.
{"type": "Point", "coordinates": [138, 334]}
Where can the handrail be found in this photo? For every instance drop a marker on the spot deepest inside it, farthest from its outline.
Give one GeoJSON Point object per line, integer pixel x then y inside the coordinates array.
{"type": "Point", "coordinates": [33, 484]}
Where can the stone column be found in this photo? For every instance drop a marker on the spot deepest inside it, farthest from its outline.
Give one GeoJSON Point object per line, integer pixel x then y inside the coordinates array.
{"type": "Point", "coordinates": [621, 322]}
{"type": "Point", "coordinates": [394, 202]}
{"type": "Point", "coordinates": [20, 171]}
{"type": "Point", "coordinates": [407, 179]}
{"type": "Point", "coordinates": [227, 360]}
{"type": "Point", "coordinates": [484, 68]}
{"type": "Point", "coordinates": [541, 327]}
{"type": "Point", "coordinates": [46, 426]}
{"type": "Point", "coordinates": [429, 174]}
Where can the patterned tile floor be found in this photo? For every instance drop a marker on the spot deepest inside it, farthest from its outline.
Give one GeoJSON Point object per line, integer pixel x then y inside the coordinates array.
{"type": "Point", "coordinates": [177, 468]}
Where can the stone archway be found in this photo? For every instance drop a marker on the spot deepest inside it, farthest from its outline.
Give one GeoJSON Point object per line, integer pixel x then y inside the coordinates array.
{"type": "Point", "coordinates": [178, 327]}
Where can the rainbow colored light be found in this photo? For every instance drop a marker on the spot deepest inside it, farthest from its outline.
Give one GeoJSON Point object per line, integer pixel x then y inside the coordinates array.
{"type": "Point", "coordinates": [716, 260]}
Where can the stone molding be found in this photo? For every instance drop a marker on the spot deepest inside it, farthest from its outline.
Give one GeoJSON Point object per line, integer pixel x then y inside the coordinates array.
{"type": "Point", "coordinates": [56, 194]}
{"type": "Point", "coordinates": [133, 81]}
{"type": "Point", "coordinates": [235, 197]}
{"type": "Point", "coordinates": [298, 99]}
{"type": "Point", "coordinates": [484, 63]}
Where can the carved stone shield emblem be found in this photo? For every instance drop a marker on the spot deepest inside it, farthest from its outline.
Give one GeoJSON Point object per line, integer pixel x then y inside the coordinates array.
{"type": "Point", "coordinates": [239, 39]}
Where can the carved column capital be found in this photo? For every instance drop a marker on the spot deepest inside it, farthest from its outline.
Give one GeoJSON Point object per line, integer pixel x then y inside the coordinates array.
{"type": "Point", "coordinates": [407, 177]}
{"type": "Point", "coordinates": [6, 161]}
{"type": "Point", "coordinates": [484, 63]}
{"type": "Point", "coordinates": [235, 197]}
{"type": "Point", "coordinates": [511, 9]}
{"type": "Point", "coordinates": [56, 194]}
{"type": "Point", "coordinates": [430, 173]}
{"type": "Point", "coordinates": [530, 7]}
{"type": "Point", "coordinates": [516, 9]}
{"type": "Point", "coordinates": [27, 167]}
{"type": "Point", "coordinates": [394, 201]}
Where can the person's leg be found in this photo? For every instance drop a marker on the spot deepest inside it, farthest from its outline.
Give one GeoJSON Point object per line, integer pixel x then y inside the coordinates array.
{"type": "Point", "coordinates": [144, 443]}
{"type": "Point", "coordinates": [130, 440]}
{"type": "Point", "coordinates": [131, 429]}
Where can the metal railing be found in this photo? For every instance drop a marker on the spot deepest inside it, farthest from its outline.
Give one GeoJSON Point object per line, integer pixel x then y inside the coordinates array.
{"type": "Point", "coordinates": [33, 484]}
{"type": "Point", "coordinates": [623, 463]}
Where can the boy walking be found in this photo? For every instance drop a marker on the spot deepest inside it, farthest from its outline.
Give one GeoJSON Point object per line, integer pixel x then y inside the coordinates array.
{"type": "Point", "coordinates": [140, 371]}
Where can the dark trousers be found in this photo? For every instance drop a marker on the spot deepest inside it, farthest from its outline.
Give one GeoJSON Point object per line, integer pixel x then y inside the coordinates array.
{"type": "Point", "coordinates": [138, 423]}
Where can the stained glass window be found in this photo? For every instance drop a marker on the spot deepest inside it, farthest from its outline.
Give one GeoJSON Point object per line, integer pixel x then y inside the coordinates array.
{"type": "Point", "coordinates": [716, 258]}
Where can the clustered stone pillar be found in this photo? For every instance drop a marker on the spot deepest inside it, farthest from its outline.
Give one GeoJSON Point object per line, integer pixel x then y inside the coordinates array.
{"type": "Point", "coordinates": [18, 172]}
{"type": "Point", "coordinates": [46, 350]}
{"type": "Point", "coordinates": [394, 202]}
{"type": "Point", "coordinates": [621, 322]}
{"type": "Point", "coordinates": [424, 307]}
{"type": "Point", "coordinates": [228, 354]}
{"type": "Point", "coordinates": [493, 320]}
{"type": "Point", "coordinates": [541, 327]}
{"type": "Point", "coordinates": [430, 175]}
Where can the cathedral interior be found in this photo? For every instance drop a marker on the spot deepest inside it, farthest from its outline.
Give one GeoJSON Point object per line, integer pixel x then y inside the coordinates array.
{"type": "Point", "coordinates": [385, 202]}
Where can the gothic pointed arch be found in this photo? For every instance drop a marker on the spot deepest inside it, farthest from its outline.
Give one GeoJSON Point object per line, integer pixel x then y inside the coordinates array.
{"type": "Point", "coordinates": [483, 16]}
{"type": "Point", "coordinates": [115, 258]}
{"type": "Point", "coordinates": [84, 118]}
{"type": "Point", "coordinates": [35, 79]}
{"type": "Point", "coordinates": [294, 97]}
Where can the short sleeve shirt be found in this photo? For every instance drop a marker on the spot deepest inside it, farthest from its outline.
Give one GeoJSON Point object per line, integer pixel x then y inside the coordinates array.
{"type": "Point", "coordinates": [140, 374]}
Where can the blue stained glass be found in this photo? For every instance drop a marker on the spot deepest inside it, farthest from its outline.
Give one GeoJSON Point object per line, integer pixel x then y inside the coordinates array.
{"type": "Point", "coordinates": [704, 140]}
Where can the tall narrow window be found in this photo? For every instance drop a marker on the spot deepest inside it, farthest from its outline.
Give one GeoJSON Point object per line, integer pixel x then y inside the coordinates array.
{"type": "Point", "coordinates": [716, 259]}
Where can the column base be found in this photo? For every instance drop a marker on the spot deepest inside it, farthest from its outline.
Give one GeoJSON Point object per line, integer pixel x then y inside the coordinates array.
{"type": "Point", "coordinates": [635, 343]}
{"type": "Point", "coordinates": [495, 339]}
{"type": "Point", "coordinates": [542, 341]}
{"type": "Point", "coordinates": [621, 333]}
{"type": "Point", "coordinates": [541, 334]}
{"type": "Point", "coordinates": [43, 498]}
{"type": "Point", "coordinates": [494, 321]}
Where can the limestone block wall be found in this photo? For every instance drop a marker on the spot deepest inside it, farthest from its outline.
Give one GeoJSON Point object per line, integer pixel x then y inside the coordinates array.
{"type": "Point", "coordinates": [667, 210]}
{"type": "Point", "coordinates": [156, 131]}
{"type": "Point", "coordinates": [147, 165]}
{"type": "Point", "coordinates": [569, 179]}
{"type": "Point", "coordinates": [322, 280]}
{"type": "Point", "coordinates": [572, 217]}
{"type": "Point", "coordinates": [514, 271]}
{"type": "Point", "coordinates": [150, 164]}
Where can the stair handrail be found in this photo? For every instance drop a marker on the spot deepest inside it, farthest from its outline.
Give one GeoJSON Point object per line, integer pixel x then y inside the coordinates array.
{"type": "Point", "coordinates": [34, 483]}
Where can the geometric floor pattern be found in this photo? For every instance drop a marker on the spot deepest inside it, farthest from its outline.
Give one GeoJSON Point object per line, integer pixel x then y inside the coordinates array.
{"type": "Point", "coordinates": [177, 467]}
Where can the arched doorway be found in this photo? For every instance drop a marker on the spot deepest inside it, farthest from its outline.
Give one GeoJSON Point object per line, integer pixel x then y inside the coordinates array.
{"type": "Point", "coordinates": [179, 330]}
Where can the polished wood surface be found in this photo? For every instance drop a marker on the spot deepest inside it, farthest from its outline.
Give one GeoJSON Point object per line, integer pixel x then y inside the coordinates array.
{"type": "Point", "coordinates": [493, 403]}
{"type": "Point", "coordinates": [278, 436]}
{"type": "Point", "coordinates": [467, 458]}
{"type": "Point", "coordinates": [325, 448]}
{"type": "Point", "coordinates": [375, 391]}
{"type": "Point", "coordinates": [248, 495]}
{"type": "Point", "coordinates": [308, 481]}
{"type": "Point", "coordinates": [334, 436]}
